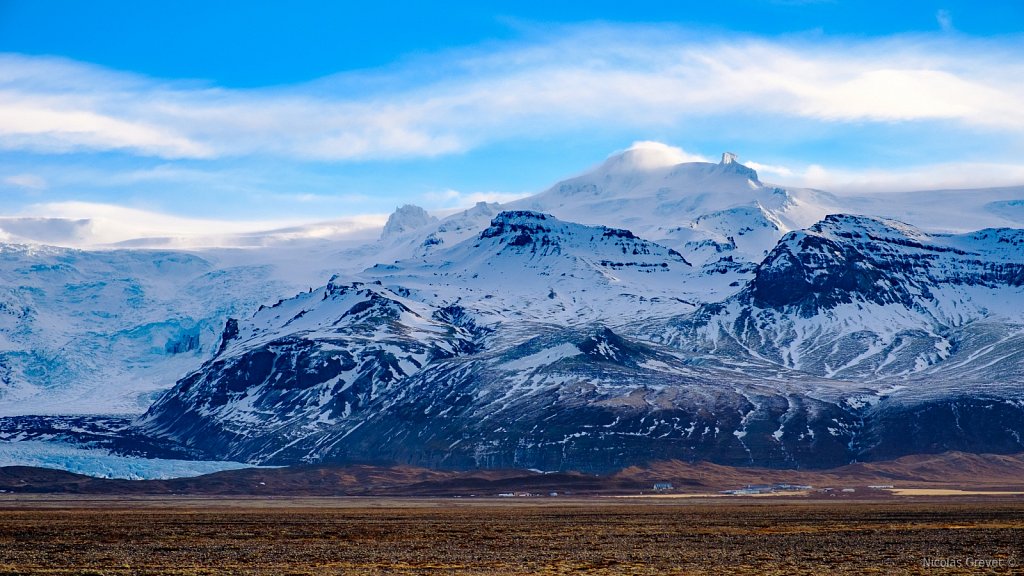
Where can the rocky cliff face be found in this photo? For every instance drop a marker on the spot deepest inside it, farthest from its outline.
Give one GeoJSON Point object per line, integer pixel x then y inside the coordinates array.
{"type": "Point", "coordinates": [846, 259]}
{"type": "Point", "coordinates": [311, 363]}
{"type": "Point", "coordinates": [857, 297]}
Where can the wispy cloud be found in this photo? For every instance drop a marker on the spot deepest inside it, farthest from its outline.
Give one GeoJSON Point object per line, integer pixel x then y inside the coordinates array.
{"type": "Point", "coordinates": [642, 78]}
{"type": "Point", "coordinates": [60, 125]}
{"type": "Point", "coordinates": [661, 154]}
{"type": "Point", "coordinates": [945, 20]}
{"type": "Point", "coordinates": [30, 182]}
{"type": "Point", "coordinates": [946, 175]}
{"type": "Point", "coordinates": [90, 224]}
{"type": "Point", "coordinates": [449, 198]}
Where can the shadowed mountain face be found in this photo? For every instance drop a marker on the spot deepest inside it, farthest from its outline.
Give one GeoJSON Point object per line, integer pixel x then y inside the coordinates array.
{"type": "Point", "coordinates": [846, 259]}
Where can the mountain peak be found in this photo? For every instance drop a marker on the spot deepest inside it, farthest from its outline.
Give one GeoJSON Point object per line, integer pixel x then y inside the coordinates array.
{"type": "Point", "coordinates": [521, 227]}
{"type": "Point", "coordinates": [605, 345]}
{"type": "Point", "coordinates": [519, 217]}
{"type": "Point", "coordinates": [844, 225]}
{"type": "Point", "coordinates": [404, 219]}
{"type": "Point", "coordinates": [730, 164]}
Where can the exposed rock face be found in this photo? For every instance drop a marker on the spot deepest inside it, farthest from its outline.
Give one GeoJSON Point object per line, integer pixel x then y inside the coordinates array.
{"type": "Point", "coordinates": [289, 373]}
{"type": "Point", "coordinates": [845, 259]}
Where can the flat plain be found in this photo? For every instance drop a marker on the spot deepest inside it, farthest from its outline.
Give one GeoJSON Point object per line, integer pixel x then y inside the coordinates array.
{"type": "Point", "coordinates": [356, 536]}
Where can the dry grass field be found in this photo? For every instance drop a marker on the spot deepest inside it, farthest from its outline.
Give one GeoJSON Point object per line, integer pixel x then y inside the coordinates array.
{"type": "Point", "coordinates": [81, 535]}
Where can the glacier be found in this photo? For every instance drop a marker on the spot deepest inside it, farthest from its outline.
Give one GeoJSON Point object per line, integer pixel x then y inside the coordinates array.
{"type": "Point", "coordinates": [104, 464]}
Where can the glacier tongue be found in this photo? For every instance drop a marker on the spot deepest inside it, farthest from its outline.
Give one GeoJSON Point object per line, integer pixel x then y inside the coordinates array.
{"type": "Point", "coordinates": [103, 464]}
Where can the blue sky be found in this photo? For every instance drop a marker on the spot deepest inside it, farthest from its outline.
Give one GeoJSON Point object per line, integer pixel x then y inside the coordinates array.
{"type": "Point", "coordinates": [263, 111]}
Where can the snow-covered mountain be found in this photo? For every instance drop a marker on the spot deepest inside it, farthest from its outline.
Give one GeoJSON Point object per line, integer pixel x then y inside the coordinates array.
{"type": "Point", "coordinates": [646, 309]}
{"type": "Point", "coordinates": [406, 219]}
{"type": "Point", "coordinates": [349, 345]}
{"type": "Point", "coordinates": [859, 297]}
{"type": "Point", "coordinates": [720, 215]}
{"type": "Point", "coordinates": [648, 190]}
{"type": "Point", "coordinates": [479, 361]}
{"type": "Point", "coordinates": [304, 365]}
{"type": "Point", "coordinates": [529, 266]}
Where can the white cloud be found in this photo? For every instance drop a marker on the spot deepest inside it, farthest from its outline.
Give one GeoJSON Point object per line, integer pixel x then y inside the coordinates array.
{"type": "Point", "coordinates": [446, 199]}
{"type": "Point", "coordinates": [949, 175]}
{"type": "Point", "coordinates": [770, 169]}
{"type": "Point", "coordinates": [84, 224]}
{"type": "Point", "coordinates": [442, 196]}
{"type": "Point", "coordinates": [310, 198]}
{"type": "Point", "coordinates": [30, 182]}
{"type": "Point", "coordinates": [945, 20]}
{"type": "Point", "coordinates": [660, 154]}
{"type": "Point", "coordinates": [155, 222]}
{"type": "Point", "coordinates": [50, 125]}
{"type": "Point", "coordinates": [576, 78]}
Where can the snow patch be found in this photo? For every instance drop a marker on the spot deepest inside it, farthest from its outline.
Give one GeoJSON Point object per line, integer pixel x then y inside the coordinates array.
{"type": "Point", "coordinates": [542, 358]}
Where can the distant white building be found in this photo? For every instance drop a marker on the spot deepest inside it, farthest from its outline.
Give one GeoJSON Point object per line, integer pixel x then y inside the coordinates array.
{"type": "Point", "coordinates": [662, 486]}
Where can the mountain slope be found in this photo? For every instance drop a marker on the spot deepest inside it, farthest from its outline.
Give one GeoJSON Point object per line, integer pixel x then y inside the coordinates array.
{"type": "Point", "coordinates": [531, 266]}
{"type": "Point", "coordinates": [858, 297]}
{"type": "Point", "coordinates": [304, 373]}
{"type": "Point", "coordinates": [300, 366]}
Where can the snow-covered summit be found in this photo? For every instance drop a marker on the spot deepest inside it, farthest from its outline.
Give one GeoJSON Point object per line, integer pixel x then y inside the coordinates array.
{"type": "Point", "coordinates": [640, 173]}
{"type": "Point", "coordinates": [529, 264]}
{"type": "Point", "coordinates": [406, 219]}
{"type": "Point", "coordinates": [719, 214]}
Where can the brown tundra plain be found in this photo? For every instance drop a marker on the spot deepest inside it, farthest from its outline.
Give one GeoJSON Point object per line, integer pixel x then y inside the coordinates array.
{"type": "Point", "coordinates": [356, 536]}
